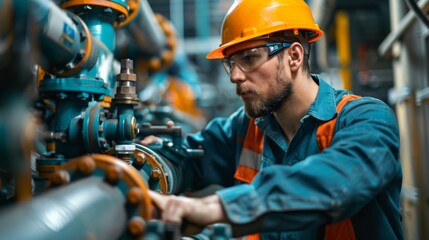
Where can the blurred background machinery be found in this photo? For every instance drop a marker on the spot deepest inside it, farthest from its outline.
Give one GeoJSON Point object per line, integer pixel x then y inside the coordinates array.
{"type": "Point", "coordinates": [84, 80]}
{"type": "Point", "coordinates": [380, 48]}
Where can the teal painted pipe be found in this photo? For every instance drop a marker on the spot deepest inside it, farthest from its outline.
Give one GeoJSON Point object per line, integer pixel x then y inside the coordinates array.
{"type": "Point", "coordinates": [101, 28]}
{"type": "Point", "coordinates": [66, 112]}
{"type": "Point", "coordinates": [100, 20]}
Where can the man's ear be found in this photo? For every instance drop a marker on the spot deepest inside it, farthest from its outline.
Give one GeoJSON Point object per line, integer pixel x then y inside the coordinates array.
{"type": "Point", "coordinates": [296, 56]}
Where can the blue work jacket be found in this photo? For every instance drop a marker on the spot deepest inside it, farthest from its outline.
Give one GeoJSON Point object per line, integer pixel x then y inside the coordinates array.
{"type": "Point", "coordinates": [298, 189]}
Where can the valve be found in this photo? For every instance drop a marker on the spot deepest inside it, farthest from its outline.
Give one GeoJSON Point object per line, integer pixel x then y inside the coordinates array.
{"type": "Point", "coordinates": [126, 84]}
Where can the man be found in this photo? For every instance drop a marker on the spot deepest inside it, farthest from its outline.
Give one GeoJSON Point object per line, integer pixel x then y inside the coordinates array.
{"type": "Point", "coordinates": [296, 182]}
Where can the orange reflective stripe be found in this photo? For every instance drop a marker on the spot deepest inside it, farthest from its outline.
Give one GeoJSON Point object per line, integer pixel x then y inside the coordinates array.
{"type": "Point", "coordinates": [250, 158]}
{"type": "Point", "coordinates": [255, 236]}
{"type": "Point", "coordinates": [245, 174]}
{"type": "Point", "coordinates": [325, 132]}
{"type": "Point", "coordinates": [254, 137]}
{"type": "Point", "coordinates": [342, 230]}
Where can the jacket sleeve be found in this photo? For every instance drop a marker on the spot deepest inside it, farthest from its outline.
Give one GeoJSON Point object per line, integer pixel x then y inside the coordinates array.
{"type": "Point", "coordinates": [362, 162]}
{"type": "Point", "coordinates": [219, 142]}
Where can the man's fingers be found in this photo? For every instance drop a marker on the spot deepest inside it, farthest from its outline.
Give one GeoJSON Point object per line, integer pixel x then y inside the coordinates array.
{"type": "Point", "coordinates": [153, 139]}
{"type": "Point", "coordinates": [190, 213]}
{"type": "Point", "coordinates": [150, 139]}
{"type": "Point", "coordinates": [173, 212]}
{"type": "Point", "coordinates": [158, 200]}
{"type": "Point", "coordinates": [170, 124]}
{"type": "Point", "coordinates": [171, 207]}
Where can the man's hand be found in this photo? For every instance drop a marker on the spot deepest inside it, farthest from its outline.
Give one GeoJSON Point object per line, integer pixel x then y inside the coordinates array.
{"type": "Point", "coordinates": [153, 139]}
{"type": "Point", "coordinates": [150, 139]}
{"type": "Point", "coordinates": [193, 213]}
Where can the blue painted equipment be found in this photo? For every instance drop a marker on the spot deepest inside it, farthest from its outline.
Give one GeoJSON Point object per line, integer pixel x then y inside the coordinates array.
{"type": "Point", "coordinates": [82, 145]}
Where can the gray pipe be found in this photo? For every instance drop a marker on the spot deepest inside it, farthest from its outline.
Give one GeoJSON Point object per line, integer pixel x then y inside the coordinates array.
{"type": "Point", "coordinates": [55, 33]}
{"type": "Point", "coordinates": [86, 209]}
{"type": "Point", "coordinates": [146, 33]}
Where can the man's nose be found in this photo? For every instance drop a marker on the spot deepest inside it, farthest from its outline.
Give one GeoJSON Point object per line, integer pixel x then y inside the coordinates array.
{"type": "Point", "coordinates": [237, 75]}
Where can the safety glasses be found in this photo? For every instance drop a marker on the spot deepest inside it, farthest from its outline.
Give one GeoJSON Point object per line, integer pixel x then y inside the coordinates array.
{"type": "Point", "coordinates": [250, 59]}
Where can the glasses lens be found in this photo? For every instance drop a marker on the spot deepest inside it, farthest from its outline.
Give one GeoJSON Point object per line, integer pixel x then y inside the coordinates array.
{"type": "Point", "coordinates": [227, 64]}
{"type": "Point", "coordinates": [250, 59]}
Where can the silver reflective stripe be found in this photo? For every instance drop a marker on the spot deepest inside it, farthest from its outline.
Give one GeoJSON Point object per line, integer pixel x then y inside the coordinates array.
{"type": "Point", "coordinates": [250, 159]}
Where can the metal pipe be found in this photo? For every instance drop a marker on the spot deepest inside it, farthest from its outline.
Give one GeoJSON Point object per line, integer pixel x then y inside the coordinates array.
{"type": "Point", "coordinates": [405, 113]}
{"type": "Point", "coordinates": [81, 210]}
{"type": "Point", "coordinates": [413, 6]}
{"type": "Point", "coordinates": [146, 31]}
{"type": "Point", "coordinates": [149, 38]}
{"type": "Point", "coordinates": [176, 16]}
{"type": "Point", "coordinates": [142, 36]}
{"type": "Point", "coordinates": [322, 12]}
{"type": "Point", "coordinates": [57, 36]}
{"type": "Point", "coordinates": [403, 25]}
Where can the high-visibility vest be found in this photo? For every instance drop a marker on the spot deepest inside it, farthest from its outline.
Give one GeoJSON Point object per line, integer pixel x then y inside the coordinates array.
{"type": "Point", "coordinates": [250, 161]}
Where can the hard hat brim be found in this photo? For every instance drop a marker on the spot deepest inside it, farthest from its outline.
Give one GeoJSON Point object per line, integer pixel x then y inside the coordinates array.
{"type": "Point", "coordinates": [218, 53]}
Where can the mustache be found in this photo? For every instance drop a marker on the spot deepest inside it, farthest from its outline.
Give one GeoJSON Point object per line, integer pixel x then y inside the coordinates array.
{"type": "Point", "coordinates": [240, 91]}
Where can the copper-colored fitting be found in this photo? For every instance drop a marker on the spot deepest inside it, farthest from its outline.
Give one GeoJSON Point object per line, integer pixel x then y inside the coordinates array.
{"type": "Point", "coordinates": [86, 165]}
{"type": "Point", "coordinates": [136, 226]}
{"type": "Point", "coordinates": [113, 174]}
{"type": "Point", "coordinates": [154, 63]}
{"type": "Point", "coordinates": [171, 43]}
{"type": "Point", "coordinates": [168, 30]}
{"type": "Point", "coordinates": [167, 56]}
{"type": "Point", "coordinates": [135, 196]}
{"type": "Point", "coordinates": [140, 159]}
{"type": "Point", "coordinates": [155, 174]}
{"type": "Point", "coordinates": [60, 177]}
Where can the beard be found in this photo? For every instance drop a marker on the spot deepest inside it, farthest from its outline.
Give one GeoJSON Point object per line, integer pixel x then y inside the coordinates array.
{"type": "Point", "coordinates": [281, 91]}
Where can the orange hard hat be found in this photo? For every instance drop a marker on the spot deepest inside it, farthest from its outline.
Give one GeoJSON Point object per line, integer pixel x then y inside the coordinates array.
{"type": "Point", "coordinates": [248, 19]}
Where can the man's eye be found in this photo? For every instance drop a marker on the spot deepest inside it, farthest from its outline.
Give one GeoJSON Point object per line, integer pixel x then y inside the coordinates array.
{"type": "Point", "coordinates": [250, 58]}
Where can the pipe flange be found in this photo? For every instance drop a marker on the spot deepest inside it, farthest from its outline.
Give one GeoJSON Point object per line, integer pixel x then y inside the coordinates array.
{"type": "Point", "coordinates": [134, 6]}
{"type": "Point", "coordinates": [121, 9]}
{"type": "Point", "coordinates": [114, 172]}
{"type": "Point", "coordinates": [149, 162]}
{"type": "Point", "coordinates": [92, 130]}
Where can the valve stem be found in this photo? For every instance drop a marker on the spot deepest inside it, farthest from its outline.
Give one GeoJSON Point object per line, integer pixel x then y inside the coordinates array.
{"type": "Point", "coordinates": [126, 84]}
